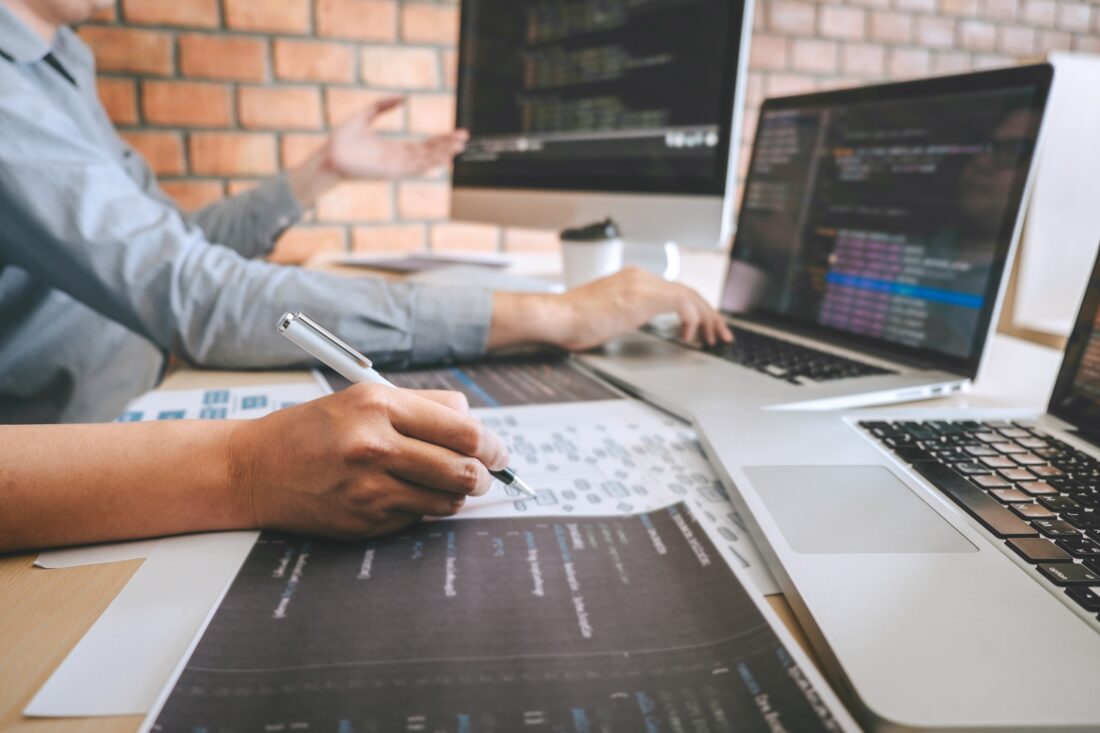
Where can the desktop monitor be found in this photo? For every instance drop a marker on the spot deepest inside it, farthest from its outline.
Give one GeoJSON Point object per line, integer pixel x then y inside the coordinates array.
{"type": "Point", "coordinates": [580, 110]}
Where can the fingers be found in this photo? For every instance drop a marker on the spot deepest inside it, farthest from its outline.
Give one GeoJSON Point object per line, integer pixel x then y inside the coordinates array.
{"type": "Point", "coordinates": [408, 498]}
{"type": "Point", "coordinates": [382, 106]}
{"type": "Point", "coordinates": [439, 468]}
{"type": "Point", "coordinates": [416, 417]}
{"type": "Point", "coordinates": [454, 400]}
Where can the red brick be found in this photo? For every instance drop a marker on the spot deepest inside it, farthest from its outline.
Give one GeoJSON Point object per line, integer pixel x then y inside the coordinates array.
{"type": "Point", "coordinates": [863, 60]}
{"type": "Point", "coordinates": [530, 240]}
{"type": "Point", "coordinates": [976, 35]}
{"type": "Point", "coordinates": [429, 23]}
{"type": "Point", "coordinates": [314, 61]}
{"type": "Point", "coordinates": [193, 195]}
{"type": "Point", "coordinates": [364, 20]}
{"type": "Point", "coordinates": [819, 57]}
{"type": "Point", "coordinates": [397, 238]}
{"type": "Point", "coordinates": [1087, 44]}
{"type": "Point", "coordinates": [768, 52]}
{"type": "Point", "coordinates": [162, 150]}
{"type": "Point", "coordinates": [225, 58]}
{"type": "Point", "coordinates": [791, 18]}
{"type": "Point", "coordinates": [186, 103]}
{"type": "Point", "coordinates": [299, 244]}
{"type": "Point", "coordinates": [992, 61]}
{"type": "Point", "coordinates": [279, 108]}
{"type": "Point", "coordinates": [1002, 9]}
{"type": "Point", "coordinates": [119, 97]}
{"type": "Point", "coordinates": [423, 200]}
{"type": "Point", "coordinates": [357, 201]}
{"type": "Point", "coordinates": [891, 27]}
{"type": "Point", "coordinates": [844, 23]}
{"type": "Point", "coordinates": [951, 62]}
{"type": "Point", "coordinates": [129, 49]}
{"type": "Point", "coordinates": [273, 16]}
{"type": "Point", "coordinates": [963, 8]}
{"type": "Point", "coordinates": [916, 6]}
{"type": "Point", "coordinates": [871, 3]}
{"type": "Point", "coordinates": [1040, 12]}
{"type": "Point", "coordinates": [450, 69]}
{"type": "Point", "coordinates": [1055, 41]}
{"type": "Point", "coordinates": [780, 85]}
{"type": "Point", "coordinates": [197, 13]}
{"type": "Point", "coordinates": [341, 104]}
{"type": "Point", "coordinates": [108, 14]}
{"type": "Point", "coordinates": [909, 63]}
{"type": "Point", "coordinates": [936, 32]}
{"type": "Point", "coordinates": [461, 237]}
{"type": "Point", "coordinates": [1017, 41]}
{"type": "Point", "coordinates": [400, 68]}
{"type": "Point", "coordinates": [1074, 16]}
{"type": "Point", "coordinates": [232, 154]}
{"type": "Point", "coordinates": [295, 149]}
{"type": "Point", "coordinates": [431, 113]}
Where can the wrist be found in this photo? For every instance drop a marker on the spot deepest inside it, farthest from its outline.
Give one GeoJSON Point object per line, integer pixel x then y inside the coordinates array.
{"type": "Point", "coordinates": [314, 177]}
{"type": "Point", "coordinates": [241, 473]}
{"type": "Point", "coordinates": [527, 318]}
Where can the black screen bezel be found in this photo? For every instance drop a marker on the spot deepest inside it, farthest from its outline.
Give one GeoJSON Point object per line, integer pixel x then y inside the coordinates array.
{"type": "Point", "coordinates": [482, 175]}
{"type": "Point", "coordinates": [1063, 403]}
{"type": "Point", "coordinates": [1038, 76]}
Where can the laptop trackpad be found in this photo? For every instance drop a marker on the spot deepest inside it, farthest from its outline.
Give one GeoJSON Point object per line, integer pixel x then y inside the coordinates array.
{"type": "Point", "coordinates": [851, 510]}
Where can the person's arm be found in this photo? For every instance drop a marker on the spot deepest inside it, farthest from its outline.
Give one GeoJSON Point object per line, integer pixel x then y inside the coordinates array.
{"type": "Point", "coordinates": [363, 462]}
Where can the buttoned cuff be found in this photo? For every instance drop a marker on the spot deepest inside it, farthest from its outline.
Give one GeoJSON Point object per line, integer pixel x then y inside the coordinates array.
{"type": "Point", "coordinates": [275, 206]}
{"type": "Point", "coordinates": [451, 324]}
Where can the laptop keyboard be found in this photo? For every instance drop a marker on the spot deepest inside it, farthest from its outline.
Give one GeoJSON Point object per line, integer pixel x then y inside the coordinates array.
{"type": "Point", "coordinates": [1038, 494]}
{"type": "Point", "coordinates": [777, 358]}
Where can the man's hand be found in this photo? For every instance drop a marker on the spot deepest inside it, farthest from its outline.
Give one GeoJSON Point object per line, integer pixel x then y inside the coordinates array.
{"type": "Point", "coordinates": [363, 462]}
{"type": "Point", "coordinates": [599, 311]}
{"type": "Point", "coordinates": [355, 151]}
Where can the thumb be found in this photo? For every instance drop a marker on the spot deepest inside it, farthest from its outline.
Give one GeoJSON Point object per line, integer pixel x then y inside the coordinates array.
{"type": "Point", "coordinates": [381, 107]}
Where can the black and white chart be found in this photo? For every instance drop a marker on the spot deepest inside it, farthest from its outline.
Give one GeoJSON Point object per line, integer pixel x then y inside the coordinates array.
{"type": "Point", "coordinates": [579, 624]}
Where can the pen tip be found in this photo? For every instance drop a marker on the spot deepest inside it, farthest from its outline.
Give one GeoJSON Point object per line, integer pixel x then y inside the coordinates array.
{"type": "Point", "coordinates": [520, 484]}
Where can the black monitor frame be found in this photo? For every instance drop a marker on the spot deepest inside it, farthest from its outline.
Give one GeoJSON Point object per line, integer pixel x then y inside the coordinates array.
{"type": "Point", "coordinates": [1038, 76]}
{"type": "Point", "coordinates": [1080, 413]}
{"type": "Point", "coordinates": [466, 175]}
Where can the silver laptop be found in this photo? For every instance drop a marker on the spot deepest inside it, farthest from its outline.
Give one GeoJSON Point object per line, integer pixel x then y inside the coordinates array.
{"type": "Point", "coordinates": [947, 562]}
{"type": "Point", "coordinates": [870, 252]}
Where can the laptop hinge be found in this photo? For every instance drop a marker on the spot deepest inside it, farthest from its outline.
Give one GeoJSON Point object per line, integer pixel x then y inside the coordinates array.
{"type": "Point", "coordinates": [1088, 435]}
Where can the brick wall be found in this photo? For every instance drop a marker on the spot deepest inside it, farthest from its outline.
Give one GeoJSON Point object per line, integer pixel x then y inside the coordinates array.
{"type": "Point", "coordinates": [219, 93]}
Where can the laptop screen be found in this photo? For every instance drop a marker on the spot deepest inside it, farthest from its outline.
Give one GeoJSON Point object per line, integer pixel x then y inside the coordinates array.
{"type": "Point", "coordinates": [1076, 395]}
{"type": "Point", "coordinates": [881, 217]}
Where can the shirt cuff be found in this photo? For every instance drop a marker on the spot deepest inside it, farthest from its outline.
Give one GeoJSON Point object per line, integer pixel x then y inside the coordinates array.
{"type": "Point", "coordinates": [275, 207]}
{"type": "Point", "coordinates": [451, 324]}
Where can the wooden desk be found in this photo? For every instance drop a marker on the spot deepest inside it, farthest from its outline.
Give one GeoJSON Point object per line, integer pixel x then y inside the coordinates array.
{"type": "Point", "coordinates": [44, 613]}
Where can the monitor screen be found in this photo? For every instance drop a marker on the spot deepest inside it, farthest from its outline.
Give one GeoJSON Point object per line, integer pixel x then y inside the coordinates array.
{"type": "Point", "coordinates": [1076, 395]}
{"type": "Point", "coordinates": [883, 216]}
{"type": "Point", "coordinates": [598, 95]}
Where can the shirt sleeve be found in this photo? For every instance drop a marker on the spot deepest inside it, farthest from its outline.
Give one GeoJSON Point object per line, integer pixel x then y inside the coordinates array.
{"type": "Point", "coordinates": [252, 221]}
{"type": "Point", "coordinates": [71, 216]}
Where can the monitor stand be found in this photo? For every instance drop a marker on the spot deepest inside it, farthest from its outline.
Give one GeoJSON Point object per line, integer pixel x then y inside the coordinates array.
{"type": "Point", "coordinates": [662, 259]}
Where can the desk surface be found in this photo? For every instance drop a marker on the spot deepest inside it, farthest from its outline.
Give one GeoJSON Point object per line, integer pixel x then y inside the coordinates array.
{"type": "Point", "coordinates": [44, 613]}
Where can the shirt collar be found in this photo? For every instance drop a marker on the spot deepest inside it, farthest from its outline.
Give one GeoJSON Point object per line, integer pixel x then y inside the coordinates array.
{"type": "Point", "coordinates": [18, 41]}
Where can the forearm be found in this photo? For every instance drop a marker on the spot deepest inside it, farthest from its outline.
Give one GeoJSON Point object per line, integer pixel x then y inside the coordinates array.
{"type": "Point", "coordinates": [75, 484]}
{"type": "Point", "coordinates": [526, 318]}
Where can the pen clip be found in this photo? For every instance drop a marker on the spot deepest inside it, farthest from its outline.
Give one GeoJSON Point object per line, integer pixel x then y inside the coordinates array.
{"type": "Point", "coordinates": [361, 360]}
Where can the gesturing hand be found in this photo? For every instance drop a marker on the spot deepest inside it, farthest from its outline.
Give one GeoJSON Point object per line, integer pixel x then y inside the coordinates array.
{"type": "Point", "coordinates": [357, 151]}
{"type": "Point", "coordinates": [363, 462]}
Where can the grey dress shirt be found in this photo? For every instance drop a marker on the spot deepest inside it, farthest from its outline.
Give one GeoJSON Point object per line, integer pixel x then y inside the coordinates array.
{"type": "Point", "coordinates": [101, 276]}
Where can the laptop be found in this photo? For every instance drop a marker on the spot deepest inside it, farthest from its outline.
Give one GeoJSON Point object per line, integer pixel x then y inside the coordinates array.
{"type": "Point", "coordinates": [870, 253]}
{"type": "Point", "coordinates": [946, 561]}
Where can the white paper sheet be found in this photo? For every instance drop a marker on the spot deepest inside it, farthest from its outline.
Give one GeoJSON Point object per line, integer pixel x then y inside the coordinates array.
{"type": "Point", "coordinates": [129, 653]}
{"type": "Point", "coordinates": [614, 457]}
{"type": "Point", "coordinates": [220, 403]}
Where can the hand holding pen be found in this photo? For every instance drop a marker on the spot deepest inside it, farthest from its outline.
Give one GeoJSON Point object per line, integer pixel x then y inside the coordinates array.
{"type": "Point", "coordinates": [349, 363]}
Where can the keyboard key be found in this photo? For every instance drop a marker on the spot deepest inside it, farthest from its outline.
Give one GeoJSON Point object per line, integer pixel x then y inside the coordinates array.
{"type": "Point", "coordinates": [1058, 503]}
{"type": "Point", "coordinates": [1037, 488]}
{"type": "Point", "coordinates": [1065, 573]}
{"type": "Point", "coordinates": [1008, 448]}
{"type": "Point", "coordinates": [994, 482]}
{"type": "Point", "coordinates": [912, 455]}
{"type": "Point", "coordinates": [1045, 471]}
{"type": "Point", "coordinates": [1080, 547]}
{"type": "Point", "coordinates": [1028, 459]}
{"type": "Point", "coordinates": [1017, 474]}
{"type": "Point", "coordinates": [1085, 597]}
{"type": "Point", "coordinates": [980, 450]}
{"type": "Point", "coordinates": [989, 437]}
{"type": "Point", "coordinates": [970, 468]}
{"type": "Point", "coordinates": [996, 518]}
{"type": "Point", "coordinates": [1086, 518]}
{"type": "Point", "coordinates": [1010, 496]}
{"type": "Point", "coordinates": [1056, 528]}
{"type": "Point", "coordinates": [1033, 511]}
{"type": "Point", "coordinates": [1016, 433]}
{"type": "Point", "coordinates": [997, 462]}
{"type": "Point", "coordinates": [1037, 550]}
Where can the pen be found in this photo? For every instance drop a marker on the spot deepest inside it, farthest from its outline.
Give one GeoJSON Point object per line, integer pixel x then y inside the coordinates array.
{"type": "Point", "coordinates": [349, 363]}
